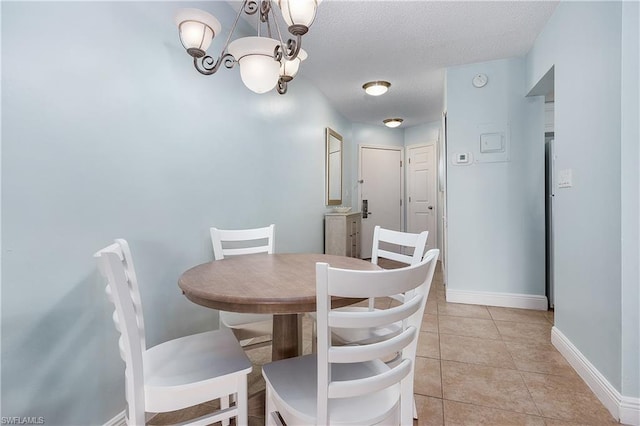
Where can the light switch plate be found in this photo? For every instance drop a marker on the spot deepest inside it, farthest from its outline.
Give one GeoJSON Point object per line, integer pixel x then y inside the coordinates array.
{"type": "Point", "coordinates": [565, 178]}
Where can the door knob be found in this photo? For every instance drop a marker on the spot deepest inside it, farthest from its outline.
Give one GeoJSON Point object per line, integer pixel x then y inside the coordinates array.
{"type": "Point", "coordinates": [430, 208]}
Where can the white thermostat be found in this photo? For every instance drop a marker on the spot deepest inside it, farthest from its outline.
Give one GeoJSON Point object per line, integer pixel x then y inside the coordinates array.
{"type": "Point", "coordinates": [462, 159]}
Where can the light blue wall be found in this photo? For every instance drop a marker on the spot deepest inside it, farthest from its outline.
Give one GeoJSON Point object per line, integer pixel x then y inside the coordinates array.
{"type": "Point", "coordinates": [495, 210]}
{"type": "Point", "coordinates": [368, 134]}
{"type": "Point", "coordinates": [109, 132]}
{"type": "Point", "coordinates": [421, 134]}
{"type": "Point", "coordinates": [583, 41]}
{"type": "Point", "coordinates": [630, 200]}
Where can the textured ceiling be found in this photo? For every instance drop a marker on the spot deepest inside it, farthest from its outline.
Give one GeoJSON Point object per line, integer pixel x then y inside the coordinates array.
{"type": "Point", "coordinates": [410, 43]}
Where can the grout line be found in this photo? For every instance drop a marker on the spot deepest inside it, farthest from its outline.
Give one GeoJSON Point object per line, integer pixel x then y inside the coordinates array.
{"type": "Point", "coordinates": [530, 394]}
{"type": "Point", "coordinates": [494, 408]}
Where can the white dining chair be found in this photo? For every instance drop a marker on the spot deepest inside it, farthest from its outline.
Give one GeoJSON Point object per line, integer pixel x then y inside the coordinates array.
{"type": "Point", "coordinates": [176, 374]}
{"type": "Point", "coordinates": [404, 247]}
{"type": "Point", "coordinates": [353, 384]}
{"type": "Point", "coordinates": [236, 242]}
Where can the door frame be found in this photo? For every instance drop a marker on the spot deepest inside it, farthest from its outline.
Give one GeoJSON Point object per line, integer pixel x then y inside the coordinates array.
{"type": "Point", "coordinates": [433, 143]}
{"type": "Point", "coordinates": [362, 146]}
{"type": "Point", "coordinates": [442, 188]}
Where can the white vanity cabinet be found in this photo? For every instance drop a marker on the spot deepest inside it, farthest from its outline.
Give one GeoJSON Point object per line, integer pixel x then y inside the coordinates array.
{"type": "Point", "coordinates": [342, 234]}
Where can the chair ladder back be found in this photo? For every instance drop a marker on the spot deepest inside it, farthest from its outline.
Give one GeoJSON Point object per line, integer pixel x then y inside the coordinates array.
{"type": "Point", "coordinates": [132, 278]}
{"type": "Point", "coordinates": [412, 281]}
{"type": "Point", "coordinates": [367, 352]}
{"type": "Point", "coordinates": [401, 241]}
{"type": "Point", "coordinates": [357, 387]}
{"type": "Point", "coordinates": [380, 283]}
{"type": "Point", "coordinates": [430, 258]}
{"type": "Point", "coordinates": [323, 342]}
{"type": "Point", "coordinates": [404, 240]}
{"type": "Point", "coordinates": [377, 318]}
{"type": "Point", "coordinates": [252, 237]}
{"type": "Point", "coordinates": [120, 291]}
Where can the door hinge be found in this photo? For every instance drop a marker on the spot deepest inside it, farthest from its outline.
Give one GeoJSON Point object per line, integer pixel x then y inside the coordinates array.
{"type": "Point", "coordinates": [400, 201]}
{"type": "Point", "coordinates": [400, 163]}
{"type": "Point", "coordinates": [409, 198]}
{"type": "Point", "coordinates": [409, 160]}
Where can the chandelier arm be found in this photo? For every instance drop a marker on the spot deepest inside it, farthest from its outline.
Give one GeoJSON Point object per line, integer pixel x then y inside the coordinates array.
{"type": "Point", "coordinates": [250, 7]}
{"type": "Point", "coordinates": [265, 8]}
{"type": "Point", "coordinates": [269, 25]}
{"type": "Point", "coordinates": [281, 86]}
{"type": "Point", "coordinates": [277, 53]}
{"type": "Point", "coordinates": [278, 30]}
{"type": "Point", "coordinates": [291, 52]}
{"type": "Point", "coordinates": [292, 49]}
{"type": "Point", "coordinates": [208, 66]}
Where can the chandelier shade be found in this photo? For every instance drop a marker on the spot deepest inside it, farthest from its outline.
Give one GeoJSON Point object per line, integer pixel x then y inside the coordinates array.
{"type": "Point", "coordinates": [289, 69]}
{"type": "Point", "coordinates": [258, 68]}
{"type": "Point", "coordinates": [197, 29]}
{"type": "Point", "coordinates": [299, 12]}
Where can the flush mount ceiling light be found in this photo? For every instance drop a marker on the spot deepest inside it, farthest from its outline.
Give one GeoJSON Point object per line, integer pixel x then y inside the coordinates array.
{"type": "Point", "coordinates": [392, 122]}
{"type": "Point", "coordinates": [376, 88]}
{"type": "Point", "coordinates": [265, 62]}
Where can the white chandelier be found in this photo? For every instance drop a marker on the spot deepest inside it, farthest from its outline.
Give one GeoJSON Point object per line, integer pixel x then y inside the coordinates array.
{"type": "Point", "coordinates": [265, 62]}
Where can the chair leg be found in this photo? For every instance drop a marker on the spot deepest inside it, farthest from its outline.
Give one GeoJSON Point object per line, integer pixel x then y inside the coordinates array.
{"type": "Point", "coordinates": [269, 409]}
{"type": "Point", "coordinates": [314, 337]}
{"type": "Point", "coordinates": [407, 401]}
{"type": "Point", "coordinates": [224, 404]}
{"type": "Point", "coordinates": [242, 403]}
{"type": "Point", "coordinates": [300, 343]}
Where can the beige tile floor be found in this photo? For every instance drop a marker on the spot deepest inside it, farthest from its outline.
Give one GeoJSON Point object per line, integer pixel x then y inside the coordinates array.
{"type": "Point", "coordinates": [476, 365]}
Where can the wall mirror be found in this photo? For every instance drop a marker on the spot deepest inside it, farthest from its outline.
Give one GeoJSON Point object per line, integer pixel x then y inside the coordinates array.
{"type": "Point", "coordinates": [333, 167]}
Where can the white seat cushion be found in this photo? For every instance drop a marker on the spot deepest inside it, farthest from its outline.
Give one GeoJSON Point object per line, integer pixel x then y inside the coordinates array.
{"type": "Point", "coordinates": [294, 381]}
{"type": "Point", "coordinates": [188, 365]}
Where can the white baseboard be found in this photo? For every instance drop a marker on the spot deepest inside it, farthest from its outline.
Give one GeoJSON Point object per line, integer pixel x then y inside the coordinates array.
{"type": "Point", "coordinates": [626, 409]}
{"type": "Point", "coordinates": [630, 411]}
{"type": "Point", "coordinates": [509, 300]}
{"type": "Point", "coordinates": [119, 420]}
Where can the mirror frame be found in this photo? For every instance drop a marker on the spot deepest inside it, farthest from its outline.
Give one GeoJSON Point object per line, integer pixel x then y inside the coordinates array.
{"type": "Point", "coordinates": [332, 136]}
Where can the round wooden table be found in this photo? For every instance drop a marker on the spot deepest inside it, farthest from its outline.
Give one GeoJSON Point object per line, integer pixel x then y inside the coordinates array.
{"type": "Point", "coordinates": [279, 284]}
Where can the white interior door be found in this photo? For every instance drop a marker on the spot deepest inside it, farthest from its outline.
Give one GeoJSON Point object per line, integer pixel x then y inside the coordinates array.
{"type": "Point", "coordinates": [381, 189]}
{"type": "Point", "coordinates": [421, 191]}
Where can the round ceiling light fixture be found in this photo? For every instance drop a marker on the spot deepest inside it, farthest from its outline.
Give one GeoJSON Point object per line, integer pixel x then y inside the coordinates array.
{"type": "Point", "coordinates": [393, 122]}
{"type": "Point", "coordinates": [376, 88]}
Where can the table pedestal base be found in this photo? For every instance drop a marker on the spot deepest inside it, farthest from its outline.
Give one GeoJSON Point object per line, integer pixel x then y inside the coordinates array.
{"type": "Point", "coordinates": [287, 332]}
